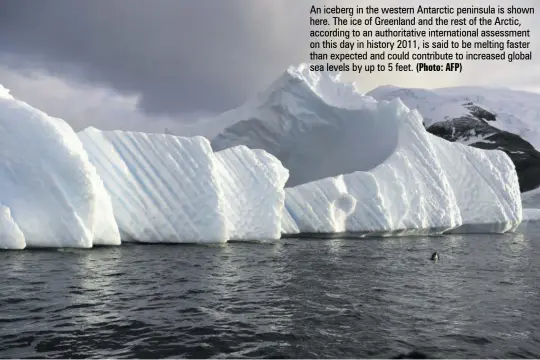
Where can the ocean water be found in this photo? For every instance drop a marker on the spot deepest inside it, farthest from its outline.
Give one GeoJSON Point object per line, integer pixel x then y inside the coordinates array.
{"type": "Point", "coordinates": [299, 298]}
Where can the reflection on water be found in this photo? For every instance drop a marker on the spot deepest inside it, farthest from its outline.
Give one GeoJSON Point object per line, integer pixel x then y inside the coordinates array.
{"type": "Point", "coordinates": [296, 298]}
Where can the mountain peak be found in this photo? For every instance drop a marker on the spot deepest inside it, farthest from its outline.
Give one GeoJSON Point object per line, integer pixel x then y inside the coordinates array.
{"type": "Point", "coordinates": [328, 86]}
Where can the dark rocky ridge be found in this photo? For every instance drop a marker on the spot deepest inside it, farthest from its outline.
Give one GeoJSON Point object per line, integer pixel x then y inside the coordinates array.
{"type": "Point", "coordinates": [475, 130]}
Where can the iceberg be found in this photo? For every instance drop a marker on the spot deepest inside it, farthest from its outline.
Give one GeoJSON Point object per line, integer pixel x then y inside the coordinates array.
{"type": "Point", "coordinates": [343, 148]}
{"type": "Point", "coordinates": [253, 183]}
{"type": "Point", "coordinates": [173, 189]}
{"type": "Point", "coordinates": [531, 220]}
{"type": "Point", "coordinates": [408, 193]}
{"type": "Point", "coordinates": [486, 186]}
{"type": "Point", "coordinates": [480, 117]}
{"type": "Point", "coordinates": [318, 207]}
{"type": "Point", "coordinates": [531, 199]}
{"type": "Point", "coordinates": [311, 136]}
{"type": "Point", "coordinates": [531, 214]}
{"type": "Point", "coordinates": [11, 236]}
{"type": "Point", "coordinates": [310, 156]}
{"type": "Point", "coordinates": [163, 188]}
{"type": "Point", "coordinates": [51, 194]}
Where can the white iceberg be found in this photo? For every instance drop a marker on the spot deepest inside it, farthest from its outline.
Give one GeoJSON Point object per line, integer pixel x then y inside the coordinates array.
{"type": "Point", "coordinates": [531, 220]}
{"type": "Point", "coordinates": [11, 236]}
{"type": "Point", "coordinates": [174, 189]}
{"type": "Point", "coordinates": [352, 165]}
{"type": "Point", "coordinates": [53, 193]}
{"type": "Point", "coordinates": [401, 178]}
{"type": "Point", "coordinates": [531, 199]}
{"type": "Point", "coordinates": [252, 182]}
{"type": "Point", "coordinates": [485, 185]}
{"type": "Point", "coordinates": [318, 207]}
{"type": "Point", "coordinates": [408, 193]}
{"type": "Point", "coordinates": [531, 214]}
{"type": "Point", "coordinates": [163, 188]}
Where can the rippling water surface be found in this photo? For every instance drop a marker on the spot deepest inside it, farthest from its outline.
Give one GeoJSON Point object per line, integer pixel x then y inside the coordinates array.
{"type": "Point", "coordinates": [297, 298]}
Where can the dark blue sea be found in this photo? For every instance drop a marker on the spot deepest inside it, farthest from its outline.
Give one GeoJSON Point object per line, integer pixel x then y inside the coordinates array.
{"type": "Point", "coordinates": [297, 298]}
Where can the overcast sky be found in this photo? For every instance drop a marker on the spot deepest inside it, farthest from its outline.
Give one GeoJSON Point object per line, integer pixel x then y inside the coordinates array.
{"type": "Point", "coordinates": [143, 64]}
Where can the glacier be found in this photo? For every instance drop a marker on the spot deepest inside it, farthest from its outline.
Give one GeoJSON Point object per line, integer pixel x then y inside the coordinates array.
{"type": "Point", "coordinates": [530, 214]}
{"type": "Point", "coordinates": [337, 144]}
{"type": "Point", "coordinates": [54, 195]}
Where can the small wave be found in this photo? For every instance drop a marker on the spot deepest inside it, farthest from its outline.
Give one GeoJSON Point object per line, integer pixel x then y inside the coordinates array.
{"type": "Point", "coordinates": [413, 355]}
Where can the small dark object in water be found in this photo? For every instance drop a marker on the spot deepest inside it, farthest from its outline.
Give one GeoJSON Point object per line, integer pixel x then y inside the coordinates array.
{"type": "Point", "coordinates": [435, 256]}
{"type": "Point", "coordinates": [413, 354]}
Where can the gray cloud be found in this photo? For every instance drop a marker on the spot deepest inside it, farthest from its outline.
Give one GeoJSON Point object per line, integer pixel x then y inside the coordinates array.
{"type": "Point", "coordinates": [179, 55]}
{"type": "Point", "coordinates": [184, 56]}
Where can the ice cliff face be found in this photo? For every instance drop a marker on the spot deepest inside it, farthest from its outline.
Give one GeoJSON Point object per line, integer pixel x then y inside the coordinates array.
{"type": "Point", "coordinates": [163, 188]}
{"type": "Point", "coordinates": [54, 195]}
{"type": "Point", "coordinates": [10, 234]}
{"type": "Point", "coordinates": [176, 190]}
{"type": "Point", "coordinates": [252, 182]}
